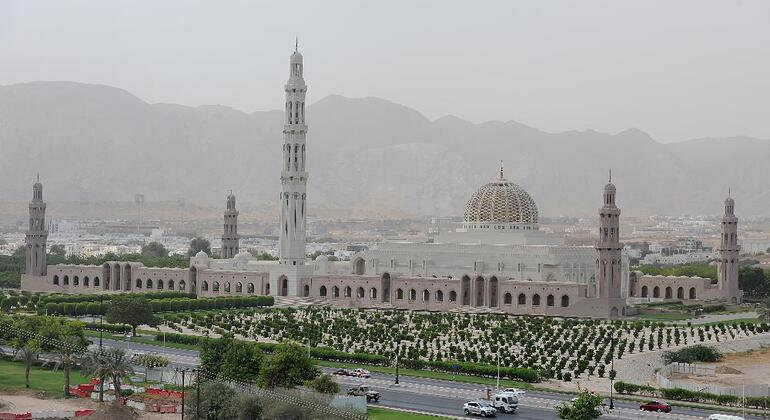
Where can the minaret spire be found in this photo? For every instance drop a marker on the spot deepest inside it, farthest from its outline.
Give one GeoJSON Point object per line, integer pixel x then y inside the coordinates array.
{"type": "Point", "coordinates": [296, 44]}
{"type": "Point", "coordinates": [501, 170]}
{"type": "Point", "coordinates": [610, 175]}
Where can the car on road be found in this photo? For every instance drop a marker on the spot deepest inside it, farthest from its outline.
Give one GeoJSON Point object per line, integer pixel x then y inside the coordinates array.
{"type": "Point", "coordinates": [341, 372]}
{"type": "Point", "coordinates": [515, 391]}
{"type": "Point", "coordinates": [656, 406]}
{"type": "Point", "coordinates": [725, 417]}
{"type": "Point", "coordinates": [479, 408]}
{"type": "Point", "coordinates": [365, 391]}
{"type": "Point", "coordinates": [361, 373]}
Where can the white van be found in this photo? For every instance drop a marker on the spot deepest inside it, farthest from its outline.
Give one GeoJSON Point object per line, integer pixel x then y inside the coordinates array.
{"type": "Point", "coordinates": [506, 402]}
{"type": "Point", "coordinates": [725, 417]}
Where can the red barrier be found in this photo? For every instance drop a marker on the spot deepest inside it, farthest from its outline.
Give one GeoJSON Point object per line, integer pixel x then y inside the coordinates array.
{"type": "Point", "coordinates": [86, 387]}
{"type": "Point", "coordinates": [168, 409]}
{"type": "Point", "coordinates": [164, 393]}
{"type": "Point", "coordinates": [79, 413]}
{"type": "Point", "coordinates": [94, 381]}
{"type": "Point", "coordinates": [7, 416]}
{"type": "Point", "coordinates": [153, 408]}
{"type": "Point", "coordinates": [25, 416]}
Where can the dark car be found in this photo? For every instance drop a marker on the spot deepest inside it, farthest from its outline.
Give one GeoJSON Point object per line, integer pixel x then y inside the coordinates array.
{"type": "Point", "coordinates": [343, 372]}
{"type": "Point", "coordinates": [655, 406]}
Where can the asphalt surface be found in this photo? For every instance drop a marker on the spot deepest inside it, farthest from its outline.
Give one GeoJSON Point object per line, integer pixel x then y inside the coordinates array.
{"type": "Point", "coordinates": [440, 396]}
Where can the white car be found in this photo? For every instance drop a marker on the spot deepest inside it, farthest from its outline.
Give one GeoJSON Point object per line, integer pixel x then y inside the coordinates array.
{"type": "Point", "coordinates": [515, 391]}
{"type": "Point", "coordinates": [361, 373]}
{"type": "Point", "coordinates": [479, 408]}
{"type": "Point", "coordinates": [725, 417]}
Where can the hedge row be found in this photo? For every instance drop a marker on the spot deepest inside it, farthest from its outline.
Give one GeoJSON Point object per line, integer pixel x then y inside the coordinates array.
{"type": "Point", "coordinates": [95, 297]}
{"type": "Point", "coordinates": [329, 354]}
{"type": "Point", "coordinates": [680, 394]}
{"type": "Point", "coordinates": [160, 305]}
{"type": "Point", "coordinates": [113, 328]}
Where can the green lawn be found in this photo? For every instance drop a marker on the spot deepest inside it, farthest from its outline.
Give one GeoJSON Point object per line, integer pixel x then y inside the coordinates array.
{"type": "Point", "coordinates": [664, 317]}
{"type": "Point", "coordinates": [430, 375]}
{"type": "Point", "coordinates": [379, 413]}
{"type": "Point", "coordinates": [40, 378]}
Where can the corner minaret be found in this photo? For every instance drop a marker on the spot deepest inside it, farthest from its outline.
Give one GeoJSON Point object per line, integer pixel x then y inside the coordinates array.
{"type": "Point", "coordinates": [608, 247]}
{"type": "Point", "coordinates": [727, 264]}
{"type": "Point", "coordinates": [230, 236]}
{"type": "Point", "coordinates": [37, 235]}
{"type": "Point", "coordinates": [293, 174]}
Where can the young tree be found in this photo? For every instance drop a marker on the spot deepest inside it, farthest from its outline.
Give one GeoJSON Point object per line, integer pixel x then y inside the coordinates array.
{"type": "Point", "coordinates": [212, 354]}
{"type": "Point", "coordinates": [67, 356]}
{"type": "Point", "coordinates": [289, 366]}
{"type": "Point", "coordinates": [241, 362]}
{"type": "Point", "coordinates": [324, 384]}
{"type": "Point", "coordinates": [217, 402]}
{"type": "Point", "coordinates": [95, 364]}
{"type": "Point", "coordinates": [130, 310]}
{"type": "Point", "coordinates": [585, 407]}
{"type": "Point", "coordinates": [199, 244]}
{"type": "Point", "coordinates": [117, 367]}
{"type": "Point", "coordinates": [28, 353]}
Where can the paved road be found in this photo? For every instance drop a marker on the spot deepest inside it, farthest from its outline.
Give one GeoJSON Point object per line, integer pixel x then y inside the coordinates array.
{"type": "Point", "coordinates": [439, 396]}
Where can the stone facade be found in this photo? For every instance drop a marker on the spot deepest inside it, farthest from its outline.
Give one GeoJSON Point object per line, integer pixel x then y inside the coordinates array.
{"type": "Point", "coordinates": [499, 260]}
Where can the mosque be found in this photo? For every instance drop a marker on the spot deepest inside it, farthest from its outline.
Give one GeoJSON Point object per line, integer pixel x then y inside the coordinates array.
{"type": "Point", "coordinates": [498, 261]}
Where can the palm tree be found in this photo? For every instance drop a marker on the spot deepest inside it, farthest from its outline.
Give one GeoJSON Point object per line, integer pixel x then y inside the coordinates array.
{"type": "Point", "coordinates": [95, 364]}
{"type": "Point", "coordinates": [118, 366]}
{"type": "Point", "coordinates": [28, 354]}
{"type": "Point", "coordinates": [67, 356]}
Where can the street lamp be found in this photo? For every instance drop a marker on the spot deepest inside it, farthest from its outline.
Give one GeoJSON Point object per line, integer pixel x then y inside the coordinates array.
{"type": "Point", "coordinates": [101, 324]}
{"type": "Point", "coordinates": [398, 350]}
{"type": "Point", "coordinates": [612, 366]}
{"type": "Point", "coordinates": [497, 387]}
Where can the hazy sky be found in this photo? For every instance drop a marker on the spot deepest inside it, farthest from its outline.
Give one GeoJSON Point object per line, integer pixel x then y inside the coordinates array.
{"type": "Point", "coordinates": [676, 69]}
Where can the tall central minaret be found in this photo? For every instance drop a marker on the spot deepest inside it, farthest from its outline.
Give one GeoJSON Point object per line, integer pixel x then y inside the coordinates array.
{"type": "Point", "coordinates": [608, 246]}
{"type": "Point", "coordinates": [230, 236]}
{"type": "Point", "coordinates": [729, 250]}
{"type": "Point", "coordinates": [293, 174]}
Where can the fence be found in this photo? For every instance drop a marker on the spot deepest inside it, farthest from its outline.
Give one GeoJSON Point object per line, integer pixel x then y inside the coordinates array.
{"type": "Point", "coordinates": [663, 379]}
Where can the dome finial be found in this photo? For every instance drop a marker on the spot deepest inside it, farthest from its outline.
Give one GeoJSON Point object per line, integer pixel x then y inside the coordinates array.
{"type": "Point", "coordinates": [501, 170]}
{"type": "Point", "coordinates": [38, 176]}
{"type": "Point", "coordinates": [296, 43]}
{"type": "Point", "coordinates": [729, 192]}
{"type": "Point", "coordinates": [610, 175]}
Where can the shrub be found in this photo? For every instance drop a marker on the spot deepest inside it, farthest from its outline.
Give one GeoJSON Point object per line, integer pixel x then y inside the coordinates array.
{"type": "Point", "coordinates": [697, 353]}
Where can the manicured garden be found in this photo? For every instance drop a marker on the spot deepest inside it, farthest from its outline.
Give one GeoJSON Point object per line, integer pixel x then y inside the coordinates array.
{"type": "Point", "coordinates": [41, 378]}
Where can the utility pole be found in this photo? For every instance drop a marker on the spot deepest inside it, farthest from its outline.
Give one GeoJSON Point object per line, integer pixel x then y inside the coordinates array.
{"type": "Point", "coordinates": [101, 324]}
{"type": "Point", "coordinates": [612, 367]}
{"type": "Point", "coordinates": [183, 372]}
{"type": "Point", "coordinates": [397, 352]}
{"type": "Point", "coordinates": [198, 395]}
{"type": "Point", "coordinates": [497, 387]}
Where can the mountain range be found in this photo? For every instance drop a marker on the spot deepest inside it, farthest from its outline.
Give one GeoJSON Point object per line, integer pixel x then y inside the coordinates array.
{"type": "Point", "coordinates": [366, 156]}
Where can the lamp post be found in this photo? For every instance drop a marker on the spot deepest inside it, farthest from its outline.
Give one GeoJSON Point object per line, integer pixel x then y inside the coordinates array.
{"type": "Point", "coordinates": [612, 367]}
{"type": "Point", "coordinates": [398, 350]}
{"type": "Point", "coordinates": [101, 324]}
{"type": "Point", "coordinates": [497, 387]}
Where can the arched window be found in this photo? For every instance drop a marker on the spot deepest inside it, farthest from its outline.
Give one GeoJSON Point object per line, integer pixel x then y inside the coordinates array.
{"type": "Point", "coordinates": [348, 292]}
{"type": "Point", "coordinates": [238, 287]}
{"type": "Point", "coordinates": [680, 292]}
{"type": "Point", "coordinates": [359, 266]}
{"type": "Point", "coordinates": [182, 285]}
{"type": "Point", "coordinates": [564, 301]}
{"type": "Point", "coordinates": [138, 284]}
{"type": "Point", "coordinates": [56, 280]}
{"type": "Point", "coordinates": [439, 296]}
{"type": "Point", "coordinates": [96, 281]}
{"type": "Point", "coordinates": [360, 292]}
{"type": "Point", "coordinates": [669, 292]}
{"type": "Point", "coordinates": [425, 295]}
{"type": "Point", "coordinates": [692, 293]}
{"type": "Point", "coordinates": [412, 294]}
{"type": "Point", "coordinates": [536, 300]}
{"type": "Point", "coordinates": [160, 284]}
{"type": "Point", "coordinates": [306, 290]}
{"type": "Point", "coordinates": [522, 299]}
{"type": "Point", "coordinates": [66, 280]}
{"type": "Point", "coordinates": [656, 292]}
{"type": "Point", "coordinates": [227, 287]}
{"type": "Point", "coordinates": [322, 291]}
{"type": "Point", "coordinates": [644, 291]}
{"type": "Point", "coordinates": [549, 300]}
{"type": "Point", "coordinates": [373, 293]}
{"type": "Point", "coordinates": [171, 285]}
{"type": "Point", "coordinates": [149, 283]}
{"type": "Point", "coordinates": [453, 296]}
{"type": "Point", "coordinates": [399, 294]}
{"type": "Point", "coordinates": [76, 281]}
{"type": "Point", "coordinates": [216, 286]}
{"type": "Point", "coordinates": [250, 288]}
{"type": "Point", "coordinates": [267, 289]}
{"type": "Point", "coordinates": [508, 299]}
{"type": "Point", "coordinates": [205, 286]}
{"type": "Point", "coordinates": [335, 292]}
{"type": "Point", "coordinates": [85, 281]}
